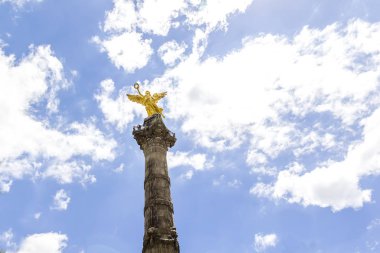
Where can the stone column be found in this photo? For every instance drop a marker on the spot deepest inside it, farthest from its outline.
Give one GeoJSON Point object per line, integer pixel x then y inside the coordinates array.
{"type": "Point", "coordinates": [154, 139]}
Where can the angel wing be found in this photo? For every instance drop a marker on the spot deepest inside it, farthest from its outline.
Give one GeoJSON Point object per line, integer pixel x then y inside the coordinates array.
{"type": "Point", "coordinates": [158, 96]}
{"type": "Point", "coordinates": [136, 98]}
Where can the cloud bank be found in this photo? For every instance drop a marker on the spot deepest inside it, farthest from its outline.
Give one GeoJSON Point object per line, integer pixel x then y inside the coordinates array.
{"type": "Point", "coordinates": [33, 143]}
{"type": "Point", "coordinates": [276, 99]}
{"type": "Point", "coordinates": [310, 97]}
{"type": "Point", "coordinates": [130, 27]}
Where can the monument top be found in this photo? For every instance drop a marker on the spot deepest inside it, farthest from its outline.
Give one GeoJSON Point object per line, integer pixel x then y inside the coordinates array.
{"type": "Point", "coordinates": [147, 100]}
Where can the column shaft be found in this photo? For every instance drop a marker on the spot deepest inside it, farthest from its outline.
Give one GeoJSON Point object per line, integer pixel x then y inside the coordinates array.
{"type": "Point", "coordinates": [160, 234]}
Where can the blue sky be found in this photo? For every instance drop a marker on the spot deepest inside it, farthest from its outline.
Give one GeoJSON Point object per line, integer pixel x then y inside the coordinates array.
{"type": "Point", "coordinates": [275, 105]}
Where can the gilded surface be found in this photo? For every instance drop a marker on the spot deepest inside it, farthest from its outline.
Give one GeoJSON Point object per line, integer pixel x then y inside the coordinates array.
{"type": "Point", "coordinates": [147, 100]}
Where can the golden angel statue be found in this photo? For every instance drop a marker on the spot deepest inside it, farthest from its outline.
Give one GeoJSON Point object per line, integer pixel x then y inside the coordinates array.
{"type": "Point", "coordinates": [147, 100]}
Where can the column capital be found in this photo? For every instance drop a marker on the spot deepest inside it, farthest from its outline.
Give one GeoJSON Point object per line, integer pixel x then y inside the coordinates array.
{"type": "Point", "coordinates": [154, 132]}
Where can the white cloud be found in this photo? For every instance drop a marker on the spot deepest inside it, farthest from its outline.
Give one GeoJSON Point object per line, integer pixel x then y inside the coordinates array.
{"type": "Point", "coordinates": [262, 242]}
{"type": "Point", "coordinates": [126, 16]}
{"type": "Point", "coordinates": [221, 180]}
{"type": "Point", "coordinates": [214, 13]}
{"type": "Point", "coordinates": [69, 171]}
{"type": "Point", "coordinates": [35, 243]}
{"type": "Point", "coordinates": [119, 169]}
{"type": "Point", "coordinates": [119, 111]}
{"type": "Point", "coordinates": [127, 23]}
{"type": "Point", "coordinates": [128, 50]}
{"type": "Point", "coordinates": [2, 44]}
{"type": "Point", "coordinates": [374, 224]}
{"type": "Point", "coordinates": [20, 3]}
{"type": "Point", "coordinates": [37, 216]}
{"type": "Point", "coordinates": [193, 162]}
{"type": "Point", "coordinates": [5, 185]}
{"type": "Point", "coordinates": [61, 201]}
{"type": "Point", "coordinates": [268, 93]}
{"type": "Point", "coordinates": [7, 238]}
{"type": "Point", "coordinates": [188, 175]}
{"type": "Point", "coordinates": [217, 99]}
{"type": "Point", "coordinates": [196, 161]}
{"type": "Point", "coordinates": [28, 101]}
{"type": "Point", "coordinates": [372, 245]}
{"type": "Point", "coordinates": [124, 43]}
{"type": "Point", "coordinates": [46, 242]}
{"type": "Point", "coordinates": [159, 22]}
{"type": "Point", "coordinates": [262, 170]}
{"type": "Point", "coordinates": [275, 92]}
{"type": "Point", "coordinates": [336, 184]}
{"type": "Point", "coordinates": [171, 51]}
{"type": "Point", "coordinates": [235, 183]}
{"type": "Point", "coordinates": [122, 17]}
{"type": "Point", "coordinates": [262, 190]}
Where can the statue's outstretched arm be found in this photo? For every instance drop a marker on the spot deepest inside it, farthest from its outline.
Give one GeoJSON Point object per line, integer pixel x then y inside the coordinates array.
{"type": "Point", "coordinates": [158, 96]}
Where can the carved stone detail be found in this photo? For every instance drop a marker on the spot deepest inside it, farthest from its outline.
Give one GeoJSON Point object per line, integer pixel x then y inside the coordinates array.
{"type": "Point", "coordinates": [160, 235]}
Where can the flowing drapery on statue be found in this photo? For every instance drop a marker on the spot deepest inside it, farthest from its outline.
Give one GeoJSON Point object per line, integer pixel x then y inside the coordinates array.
{"type": "Point", "coordinates": [147, 100]}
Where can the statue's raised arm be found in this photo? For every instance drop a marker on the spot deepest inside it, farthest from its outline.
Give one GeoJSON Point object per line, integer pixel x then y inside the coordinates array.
{"type": "Point", "coordinates": [149, 101]}
{"type": "Point", "coordinates": [136, 98]}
